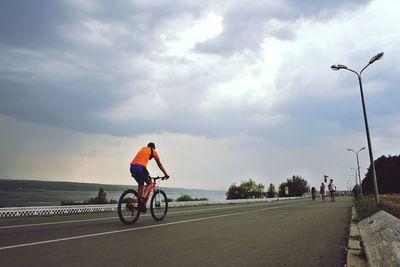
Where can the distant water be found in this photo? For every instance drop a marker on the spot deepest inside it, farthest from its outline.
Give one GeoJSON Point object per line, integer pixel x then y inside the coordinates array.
{"type": "Point", "coordinates": [54, 198]}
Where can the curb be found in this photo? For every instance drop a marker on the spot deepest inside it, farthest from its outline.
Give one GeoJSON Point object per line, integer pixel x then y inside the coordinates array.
{"type": "Point", "coordinates": [355, 252]}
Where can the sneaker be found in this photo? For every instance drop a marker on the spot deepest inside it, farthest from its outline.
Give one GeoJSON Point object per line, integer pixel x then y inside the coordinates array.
{"type": "Point", "coordinates": [142, 207]}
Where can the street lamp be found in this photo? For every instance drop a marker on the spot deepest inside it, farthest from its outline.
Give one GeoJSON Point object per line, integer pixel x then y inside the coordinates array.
{"type": "Point", "coordinates": [358, 167]}
{"type": "Point", "coordinates": [355, 175]}
{"type": "Point", "coordinates": [371, 157]}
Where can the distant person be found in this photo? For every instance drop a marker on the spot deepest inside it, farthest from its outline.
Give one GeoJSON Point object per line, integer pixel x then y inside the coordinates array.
{"type": "Point", "coordinates": [322, 192]}
{"type": "Point", "coordinates": [313, 192]}
{"type": "Point", "coordinates": [140, 173]}
{"type": "Point", "coordinates": [332, 190]}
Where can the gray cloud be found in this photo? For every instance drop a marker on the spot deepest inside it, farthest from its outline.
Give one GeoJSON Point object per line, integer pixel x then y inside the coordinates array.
{"type": "Point", "coordinates": [54, 74]}
{"type": "Point", "coordinates": [247, 24]}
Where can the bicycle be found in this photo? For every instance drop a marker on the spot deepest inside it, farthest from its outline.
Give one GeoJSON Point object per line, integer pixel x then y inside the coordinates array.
{"type": "Point", "coordinates": [128, 204]}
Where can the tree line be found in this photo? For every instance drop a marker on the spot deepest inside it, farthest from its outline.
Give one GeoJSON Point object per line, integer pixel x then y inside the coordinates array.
{"type": "Point", "coordinates": [100, 199]}
{"type": "Point", "coordinates": [387, 169]}
{"type": "Point", "coordinates": [293, 187]}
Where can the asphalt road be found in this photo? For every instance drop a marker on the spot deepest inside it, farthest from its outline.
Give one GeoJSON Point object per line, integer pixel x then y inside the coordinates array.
{"type": "Point", "coordinates": [283, 233]}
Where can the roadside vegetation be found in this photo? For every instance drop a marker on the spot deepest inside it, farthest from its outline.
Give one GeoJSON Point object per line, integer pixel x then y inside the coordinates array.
{"type": "Point", "coordinates": [388, 179]}
{"type": "Point", "coordinates": [100, 199]}
{"type": "Point", "coordinates": [366, 206]}
{"type": "Point", "coordinates": [189, 198]}
{"type": "Point", "coordinates": [293, 187]}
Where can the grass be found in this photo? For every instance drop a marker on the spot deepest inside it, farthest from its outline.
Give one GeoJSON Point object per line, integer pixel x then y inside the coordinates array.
{"type": "Point", "coordinates": [366, 206]}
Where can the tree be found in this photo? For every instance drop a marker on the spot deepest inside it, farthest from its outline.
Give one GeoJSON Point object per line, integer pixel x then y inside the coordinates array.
{"type": "Point", "coordinates": [247, 189]}
{"type": "Point", "coordinates": [282, 191]}
{"type": "Point", "coordinates": [234, 192]}
{"type": "Point", "coordinates": [297, 186]}
{"type": "Point", "coordinates": [100, 199]}
{"type": "Point", "coordinates": [271, 191]}
{"type": "Point", "coordinates": [387, 170]}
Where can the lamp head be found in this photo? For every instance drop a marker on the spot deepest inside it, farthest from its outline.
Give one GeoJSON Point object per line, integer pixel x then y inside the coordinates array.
{"type": "Point", "coordinates": [334, 67]}
{"type": "Point", "coordinates": [376, 57]}
{"type": "Point", "coordinates": [338, 67]}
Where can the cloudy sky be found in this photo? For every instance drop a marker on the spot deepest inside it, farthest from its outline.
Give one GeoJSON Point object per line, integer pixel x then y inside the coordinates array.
{"type": "Point", "coordinates": [228, 90]}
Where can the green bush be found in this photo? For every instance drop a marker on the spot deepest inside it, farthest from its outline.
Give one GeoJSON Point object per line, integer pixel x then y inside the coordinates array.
{"type": "Point", "coordinates": [297, 186]}
{"type": "Point", "coordinates": [246, 189]}
{"type": "Point", "coordinates": [366, 206]}
{"type": "Point", "coordinates": [189, 198]}
{"type": "Point", "coordinates": [100, 199]}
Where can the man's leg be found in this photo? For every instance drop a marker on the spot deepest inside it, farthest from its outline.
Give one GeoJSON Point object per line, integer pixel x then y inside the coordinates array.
{"type": "Point", "coordinates": [146, 178]}
{"type": "Point", "coordinates": [139, 174]}
{"type": "Point", "coordinates": [147, 191]}
{"type": "Point", "coordinates": [140, 190]}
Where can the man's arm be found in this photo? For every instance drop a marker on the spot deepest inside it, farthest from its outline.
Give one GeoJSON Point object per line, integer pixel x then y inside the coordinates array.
{"type": "Point", "coordinates": [161, 167]}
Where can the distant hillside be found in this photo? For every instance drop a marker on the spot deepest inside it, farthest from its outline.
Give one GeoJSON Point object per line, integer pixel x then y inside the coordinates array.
{"type": "Point", "coordinates": [8, 184]}
{"type": "Point", "coordinates": [34, 185]}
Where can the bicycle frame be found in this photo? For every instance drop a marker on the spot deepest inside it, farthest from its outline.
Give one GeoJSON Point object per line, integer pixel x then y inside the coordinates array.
{"type": "Point", "coordinates": [155, 187]}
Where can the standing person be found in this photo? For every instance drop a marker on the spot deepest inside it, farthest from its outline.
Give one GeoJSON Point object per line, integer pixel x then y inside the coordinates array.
{"type": "Point", "coordinates": [140, 173]}
{"type": "Point", "coordinates": [313, 192]}
{"type": "Point", "coordinates": [322, 192]}
{"type": "Point", "coordinates": [332, 190]}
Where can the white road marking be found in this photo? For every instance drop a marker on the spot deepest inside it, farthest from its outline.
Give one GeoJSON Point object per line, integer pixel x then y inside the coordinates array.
{"type": "Point", "coordinates": [103, 218]}
{"type": "Point", "coordinates": [140, 228]}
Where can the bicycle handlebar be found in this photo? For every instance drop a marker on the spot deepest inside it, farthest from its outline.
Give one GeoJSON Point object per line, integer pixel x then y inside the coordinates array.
{"type": "Point", "coordinates": [159, 177]}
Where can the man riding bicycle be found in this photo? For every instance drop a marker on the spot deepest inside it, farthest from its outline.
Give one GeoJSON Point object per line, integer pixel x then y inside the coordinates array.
{"type": "Point", "coordinates": [139, 172]}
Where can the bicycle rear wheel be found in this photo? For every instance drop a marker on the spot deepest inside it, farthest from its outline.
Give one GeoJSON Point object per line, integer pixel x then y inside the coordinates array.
{"type": "Point", "coordinates": [128, 210]}
{"type": "Point", "coordinates": [159, 205]}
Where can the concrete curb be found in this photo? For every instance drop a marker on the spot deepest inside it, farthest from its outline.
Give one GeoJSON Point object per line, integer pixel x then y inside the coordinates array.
{"type": "Point", "coordinates": [381, 241]}
{"type": "Point", "coordinates": [355, 253]}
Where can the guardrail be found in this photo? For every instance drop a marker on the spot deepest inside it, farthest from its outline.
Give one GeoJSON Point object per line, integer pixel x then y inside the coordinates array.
{"type": "Point", "coordinates": [54, 210]}
{"type": "Point", "coordinates": [75, 209]}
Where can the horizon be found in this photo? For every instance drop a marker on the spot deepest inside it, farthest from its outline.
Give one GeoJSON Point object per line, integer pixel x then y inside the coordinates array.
{"type": "Point", "coordinates": [59, 181]}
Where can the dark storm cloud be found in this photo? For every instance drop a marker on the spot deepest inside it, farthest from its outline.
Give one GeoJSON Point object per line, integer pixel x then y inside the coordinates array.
{"type": "Point", "coordinates": [53, 73]}
{"type": "Point", "coordinates": [31, 23]}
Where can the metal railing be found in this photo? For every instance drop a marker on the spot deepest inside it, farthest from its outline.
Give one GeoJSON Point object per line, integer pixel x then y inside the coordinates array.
{"type": "Point", "coordinates": [54, 210]}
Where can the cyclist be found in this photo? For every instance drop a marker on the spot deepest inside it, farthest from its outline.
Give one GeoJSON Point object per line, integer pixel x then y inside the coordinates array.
{"type": "Point", "coordinates": [140, 173]}
{"type": "Point", "coordinates": [332, 190]}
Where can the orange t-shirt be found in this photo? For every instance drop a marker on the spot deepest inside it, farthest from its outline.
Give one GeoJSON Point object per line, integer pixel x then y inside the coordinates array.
{"type": "Point", "coordinates": [142, 157]}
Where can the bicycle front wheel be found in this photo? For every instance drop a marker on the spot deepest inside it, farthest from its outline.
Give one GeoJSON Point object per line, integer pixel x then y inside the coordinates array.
{"type": "Point", "coordinates": [128, 210]}
{"type": "Point", "coordinates": [159, 205]}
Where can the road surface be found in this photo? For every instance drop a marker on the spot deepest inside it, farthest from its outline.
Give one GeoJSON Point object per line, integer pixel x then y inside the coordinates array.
{"type": "Point", "coordinates": [284, 233]}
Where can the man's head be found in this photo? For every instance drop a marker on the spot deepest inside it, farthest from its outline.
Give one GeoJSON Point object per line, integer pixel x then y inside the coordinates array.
{"type": "Point", "coordinates": [151, 145]}
{"type": "Point", "coordinates": [331, 180]}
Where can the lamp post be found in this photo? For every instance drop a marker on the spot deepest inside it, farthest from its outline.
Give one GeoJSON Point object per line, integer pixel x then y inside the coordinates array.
{"type": "Point", "coordinates": [355, 175]}
{"type": "Point", "coordinates": [347, 185]}
{"type": "Point", "coordinates": [371, 157]}
{"type": "Point", "coordinates": [358, 167]}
